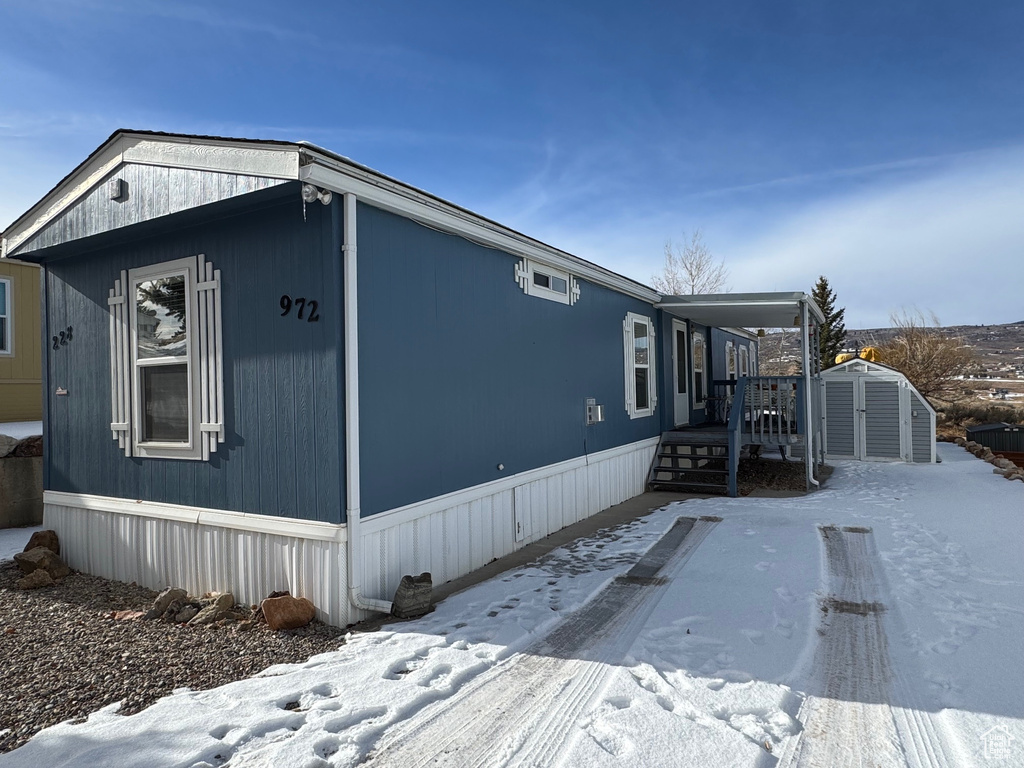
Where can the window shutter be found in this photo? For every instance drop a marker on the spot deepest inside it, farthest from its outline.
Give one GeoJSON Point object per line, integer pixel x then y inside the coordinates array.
{"type": "Point", "coordinates": [211, 358]}
{"type": "Point", "coordinates": [120, 365]}
{"type": "Point", "coordinates": [627, 345]}
{"type": "Point", "coordinates": [652, 379]}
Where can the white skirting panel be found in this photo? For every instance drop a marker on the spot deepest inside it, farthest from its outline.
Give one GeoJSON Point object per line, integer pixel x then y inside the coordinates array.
{"type": "Point", "coordinates": [158, 552]}
{"type": "Point", "coordinates": [479, 525]}
{"type": "Point", "coordinates": [202, 550]}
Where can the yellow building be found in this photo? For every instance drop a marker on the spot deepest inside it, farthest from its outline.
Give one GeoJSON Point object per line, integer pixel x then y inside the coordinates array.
{"type": "Point", "coordinates": [21, 387]}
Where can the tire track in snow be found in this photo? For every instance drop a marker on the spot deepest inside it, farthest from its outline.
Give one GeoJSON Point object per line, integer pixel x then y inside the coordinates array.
{"type": "Point", "coordinates": [850, 720]}
{"type": "Point", "coordinates": [523, 712]}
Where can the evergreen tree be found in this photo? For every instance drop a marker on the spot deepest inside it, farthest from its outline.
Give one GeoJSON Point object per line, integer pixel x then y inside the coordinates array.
{"type": "Point", "coordinates": [833, 331]}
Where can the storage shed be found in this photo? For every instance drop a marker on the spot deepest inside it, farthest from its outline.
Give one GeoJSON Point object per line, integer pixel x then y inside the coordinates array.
{"type": "Point", "coordinates": [1001, 437]}
{"type": "Point", "coordinates": [873, 413]}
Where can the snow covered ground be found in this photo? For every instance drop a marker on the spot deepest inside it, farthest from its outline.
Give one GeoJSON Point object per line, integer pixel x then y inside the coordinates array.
{"type": "Point", "coordinates": [878, 622]}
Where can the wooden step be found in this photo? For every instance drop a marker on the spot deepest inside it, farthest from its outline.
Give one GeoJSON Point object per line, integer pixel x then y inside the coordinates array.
{"type": "Point", "coordinates": [682, 484]}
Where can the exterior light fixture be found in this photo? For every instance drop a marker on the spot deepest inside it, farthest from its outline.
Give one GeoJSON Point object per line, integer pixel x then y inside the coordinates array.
{"type": "Point", "coordinates": [312, 194]}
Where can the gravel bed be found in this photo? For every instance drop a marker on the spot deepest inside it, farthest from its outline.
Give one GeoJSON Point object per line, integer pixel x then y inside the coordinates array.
{"type": "Point", "coordinates": [62, 656]}
{"type": "Point", "coordinates": [775, 475]}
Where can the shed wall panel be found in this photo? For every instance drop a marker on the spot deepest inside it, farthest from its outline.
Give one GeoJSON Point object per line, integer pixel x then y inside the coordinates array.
{"type": "Point", "coordinates": [461, 371]}
{"type": "Point", "coordinates": [922, 426]}
{"type": "Point", "coordinates": [282, 455]}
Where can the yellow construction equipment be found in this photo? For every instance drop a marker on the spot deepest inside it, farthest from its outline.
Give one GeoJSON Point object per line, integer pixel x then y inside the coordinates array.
{"type": "Point", "coordinates": [864, 353]}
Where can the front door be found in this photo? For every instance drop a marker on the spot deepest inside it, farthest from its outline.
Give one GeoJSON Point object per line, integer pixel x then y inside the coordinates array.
{"type": "Point", "coordinates": [680, 375]}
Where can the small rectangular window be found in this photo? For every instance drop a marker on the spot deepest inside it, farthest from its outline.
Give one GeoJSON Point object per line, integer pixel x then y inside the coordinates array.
{"type": "Point", "coordinates": [5, 316]}
{"type": "Point", "coordinates": [546, 283]}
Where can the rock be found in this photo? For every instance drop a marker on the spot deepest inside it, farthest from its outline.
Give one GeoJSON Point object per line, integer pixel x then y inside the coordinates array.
{"type": "Point", "coordinates": [46, 539]}
{"type": "Point", "coordinates": [30, 446]}
{"type": "Point", "coordinates": [222, 601]}
{"type": "Point", "coordinates": [186, 614]}
{"type": "Point", "coordinates": [287, 612]}
{"type": "Point", "coordinates": [412, 598]}
{"type": "Point", "coordinates": [1002, 463]}
{"type": "Point", "coordinates": [7, 445]}
{"type": "Point", "coordinates": [207, 615]}
{"type": "Point", "coordinates": [163, 601]}
{"type": "Point", "coordinates": [960, 441]}
{"type": "Point", "coordinates": [35, 580]}
{"type": "Point", "coordinates": [42, 558]}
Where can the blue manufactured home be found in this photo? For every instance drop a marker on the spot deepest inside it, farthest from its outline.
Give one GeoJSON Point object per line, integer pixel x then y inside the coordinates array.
{"type": "Point", "coordinates": [269, 367]}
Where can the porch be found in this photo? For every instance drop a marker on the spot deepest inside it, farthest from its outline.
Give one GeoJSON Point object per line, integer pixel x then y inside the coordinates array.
{"type": "Point", "coordinates": [750, 412]}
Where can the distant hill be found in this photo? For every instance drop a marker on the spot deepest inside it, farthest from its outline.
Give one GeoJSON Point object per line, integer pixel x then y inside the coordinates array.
{"type": "Point", "coordinates": [1000, 348]}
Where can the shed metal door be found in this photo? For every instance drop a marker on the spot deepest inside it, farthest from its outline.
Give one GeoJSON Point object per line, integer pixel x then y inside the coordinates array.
{"type": "Point", "coordinates": [881, 424]}
{"type": "Point", "coordinates": [840, 419]}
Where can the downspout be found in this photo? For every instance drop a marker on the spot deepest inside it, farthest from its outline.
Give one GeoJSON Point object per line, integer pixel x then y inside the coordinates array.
{"type": "Point", "coordinates": [809, 442]}
{"type": "Point", "coordinates": [352, 511]}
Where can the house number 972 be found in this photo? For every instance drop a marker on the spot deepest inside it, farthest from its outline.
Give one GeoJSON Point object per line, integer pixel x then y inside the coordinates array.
{"type": "Point", "coordinates": [64, 337]}
{"type": "Point", "coordinates": [303, 304]}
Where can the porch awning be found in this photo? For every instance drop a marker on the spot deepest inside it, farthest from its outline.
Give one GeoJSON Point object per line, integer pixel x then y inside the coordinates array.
{"type": "Point", "coordinates": [742, 310]}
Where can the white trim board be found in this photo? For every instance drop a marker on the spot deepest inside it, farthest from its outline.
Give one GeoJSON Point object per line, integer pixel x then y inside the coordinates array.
{"type": "Point", "coordinates": [221, 518]}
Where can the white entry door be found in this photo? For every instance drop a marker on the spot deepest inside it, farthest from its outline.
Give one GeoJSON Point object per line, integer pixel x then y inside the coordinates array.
{"type": "Point", "coordinates": [680, 374]}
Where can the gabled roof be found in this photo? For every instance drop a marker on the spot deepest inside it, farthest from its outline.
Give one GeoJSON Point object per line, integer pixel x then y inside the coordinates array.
{"type": "Point", "coordinates": [868, 365]}
{"type": "Point", "coordinates": [294, 161]}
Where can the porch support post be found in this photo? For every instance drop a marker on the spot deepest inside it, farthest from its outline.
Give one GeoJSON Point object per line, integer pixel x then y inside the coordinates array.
{"type": "Point", "coordinates": [809, 428]}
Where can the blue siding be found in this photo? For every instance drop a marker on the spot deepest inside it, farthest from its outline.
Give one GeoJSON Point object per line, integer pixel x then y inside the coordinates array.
{"type": "Point", "coordinates": [282, 455]}
{"type": "Point", "coordinates": [460, 371]}
{"type": "Point", "coordinates": [717, 351]}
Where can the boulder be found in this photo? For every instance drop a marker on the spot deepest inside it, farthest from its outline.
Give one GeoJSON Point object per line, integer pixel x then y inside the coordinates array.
{"type": "Point", "coordinates": [29, 447]}
{"type": "Point", "coordinates": [164, 600]}
{"type": "Point", "coordinates": [207, 615]}
{"type": "Point", "coordinates": [222, 601]}
{"type": "Point", "coordinates": [46, 539]}
{"type": "Point", "coordinates": [35, 580]}
{"type": "Point", "coordinates": [412, 598]}
{"type": "Point", "coordinates": [1002, 462]}
{"type": "Point", "coordinates": [287, 612]}
{"type": "Point", "coordinates": [7, 445]}
{"type": "Point", "coordinates": [41, 558]}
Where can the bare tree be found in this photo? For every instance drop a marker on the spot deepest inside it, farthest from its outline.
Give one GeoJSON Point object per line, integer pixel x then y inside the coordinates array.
{"type": "Point", "coordinates": [933, 360]}
{"type": "Point", "coordinates": [690, 268]}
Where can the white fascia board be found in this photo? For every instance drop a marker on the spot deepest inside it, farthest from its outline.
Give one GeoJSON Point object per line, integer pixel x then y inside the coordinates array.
{"type": "Point", "coordinates": [221, 518]}
{"type": "Point", "coordinates": [281, 162]}
{"type": "Point", "coordinates": [416, 510]}
{"type": "Point", "coordinates": [397, 198]}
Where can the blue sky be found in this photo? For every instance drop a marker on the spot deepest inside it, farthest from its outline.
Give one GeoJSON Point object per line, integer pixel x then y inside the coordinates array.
{"type": "Point", "coordinates": [880, 144]}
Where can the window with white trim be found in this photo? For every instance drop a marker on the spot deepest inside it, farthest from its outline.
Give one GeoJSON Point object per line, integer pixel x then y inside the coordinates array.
{"type": "Point", "coordinates": [744, 361]}
{"type": "Point", "coordinates": [638, 348]}
{"type": "Point", "coordinates": [752, 362]}
{"type": "Point", "coordinates": [730, 360]}
{"type": "Point", "coordinates": [6, 313]}
{"type": "Point", "coordinates": [166, 360]}
{"type": "Point", "coordinates": [699, 382]}
{"type": "Point", "coordinates": [547, 283]}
